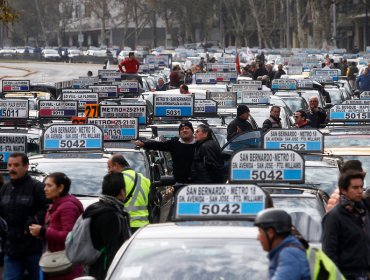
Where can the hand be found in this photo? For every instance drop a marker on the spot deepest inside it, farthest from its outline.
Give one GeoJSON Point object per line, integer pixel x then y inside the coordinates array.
{"type": "Point", "coordinates": [35, 230]}
{"type": "Point", "coordinates": [139, 143]}
{"type": "Point", "coordinates": [238, 130]}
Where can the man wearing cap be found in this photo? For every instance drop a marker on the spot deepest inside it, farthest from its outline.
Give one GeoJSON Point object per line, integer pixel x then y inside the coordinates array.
{"type": "Point", "coordinates": [240, 123]}
{"type": "Point", "coordinates": [181, 149]}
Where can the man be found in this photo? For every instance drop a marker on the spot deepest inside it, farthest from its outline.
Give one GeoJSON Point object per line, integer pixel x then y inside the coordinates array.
{"type": "Point", "coordinates": [343, 67]}
{"type": "Point", "coordinates": [137, 191]}
{"type": "Point", "coordinates": [287, 255]}
{"type": "Point", "coordinates": [270, 72]}
{"type": "Point", "coordinates": [274, 120]}
{"type": "Point", "coordinates": [207, 166]}
{"type": "Point", "coordinates": [315, 114]}
{"type": "Point", "coordinates": [300, 118]}
{"type": "Point", "coordinates": [131, 64]}
{"type": "Point", "coordinates": [184, 89]}
{"type": "Point", "coordinates": [240, 123]}
{"type": "Point", "coordinates": [279, 72]}
{"type": "Point", "coordinates": [22, 203]}
{"type": "Point", "coordinates": [109, 223]}
{"type": "Point", "coordinates": [202, 64]}
{"type": "Point", "coordinates": [351, 74]}
{"type": "Point", "coordinates": [175, 78]}
{"type": "Point", "coordinates": [260, 71]}
{"type": "Point", "coordinates": [346, 229]}
{"type": "Point", "coordinates": [363, 81]}
{"type": "Point", "coordinates": [181, 149]}
{"type": "Point", "coordinates": [161, 85]}
{"type": "Point", "coordinates": [266, 83]}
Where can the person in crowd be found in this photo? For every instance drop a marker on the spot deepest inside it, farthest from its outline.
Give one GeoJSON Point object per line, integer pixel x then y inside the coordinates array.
{"type": "Point", "coordinates": [315, 114]}
{"type": "Point", "coordinates": [300, 118]}
{"type": "Point", "coordinates": [363, 81]}
{"type": "Point", "coordinates": [270, 72]}
{"type": "Point", "coordinates": [266, 83]}
{"type": "Point", "coordinates": [131, 64]}
{"type": "Point", "coordinates": [207, 166]}
{"type": "Point", "coordinates": [22, 203]}
{"type": "Point", "coordinates": [184, 89]}
{"type": "Point", "coordinates": [202, 64]}
{"type": "Point", "coordinates": [161, 86]}
{"type": "Point", "coordinates": [274, 120]}
{"type": "Point", "coordinates": [188, 79]}
{"type": "Point", "coordinates": [286, 253]}
{"type": "Point", "coordinates": [89, 73]}
{"type": "Point", "coordinates": [279, 72]}
{"type": "Point", "coordinates": [352, 72]}
{"type": "Point", "coordinates": [109, 222]}
{"type": "Point", "coordinates": [343, 66]}
{"type": "Point", "coordinates": [240, 123]}
{"type": "Point", "coordinates": [137, 191]}
{"type": "Point", "coordinates": [181, 149]}
{"type": "Point", "coordinates": [346, 229]}
{"type": "Point", "coordinates": [60, 218]}
{"type": "Point", "coordinates": [260, 71]}
{"type": "Point", "coordinates": [175, 78]}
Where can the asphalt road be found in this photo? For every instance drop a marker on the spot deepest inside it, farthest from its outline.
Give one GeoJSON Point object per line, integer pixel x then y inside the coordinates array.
{"type": "Point", "coordinates": [47, 71]}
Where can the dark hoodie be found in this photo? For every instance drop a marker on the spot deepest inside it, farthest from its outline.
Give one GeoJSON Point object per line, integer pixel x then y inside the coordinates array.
{"type": "Point", "coordinates": [109, 229]}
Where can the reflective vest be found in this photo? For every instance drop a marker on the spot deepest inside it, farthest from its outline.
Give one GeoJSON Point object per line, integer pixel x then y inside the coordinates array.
{"type": "Point", "coordinates": [316, 258]}
{"type": "Point", "coordinates": [137, 205]}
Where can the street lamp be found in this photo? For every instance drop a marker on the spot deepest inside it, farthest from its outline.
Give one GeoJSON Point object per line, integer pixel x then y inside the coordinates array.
{"type": "Point", "coordinates": [334, 34]}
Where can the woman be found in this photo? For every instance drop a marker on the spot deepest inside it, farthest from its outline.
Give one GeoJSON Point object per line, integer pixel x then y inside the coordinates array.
{"type": "Point", "coordinates": [60, 218]}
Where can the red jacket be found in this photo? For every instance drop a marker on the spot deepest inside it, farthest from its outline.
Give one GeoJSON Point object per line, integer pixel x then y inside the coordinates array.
{"type": "Point", "coordinates": [131, 66]}
{"type": "Point", "coordinates": [59, 221]}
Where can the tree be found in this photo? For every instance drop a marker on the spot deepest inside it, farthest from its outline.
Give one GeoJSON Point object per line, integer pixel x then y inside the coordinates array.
{"type": "Point", "coordinates": [7, 14]}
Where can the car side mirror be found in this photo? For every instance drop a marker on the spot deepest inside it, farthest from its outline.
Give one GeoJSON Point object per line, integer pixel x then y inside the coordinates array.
{"type": "Point", "coordinates": [165, 180]}
{"type": "Point", "coordinates": [328, 106]}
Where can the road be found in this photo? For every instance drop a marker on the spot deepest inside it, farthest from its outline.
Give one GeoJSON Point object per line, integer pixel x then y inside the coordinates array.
{"type": "Point", "coordinates": [46, 71]}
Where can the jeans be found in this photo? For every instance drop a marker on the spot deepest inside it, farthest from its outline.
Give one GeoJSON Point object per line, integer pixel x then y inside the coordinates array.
{"type": "Point", "coordinates": [14, 268]}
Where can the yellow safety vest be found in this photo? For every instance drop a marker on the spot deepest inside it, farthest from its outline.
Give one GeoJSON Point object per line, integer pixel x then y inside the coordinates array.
{"type": "Point", "coordinates": [137, 205]}
{"type": "Point", "coordinates": [315, 257]}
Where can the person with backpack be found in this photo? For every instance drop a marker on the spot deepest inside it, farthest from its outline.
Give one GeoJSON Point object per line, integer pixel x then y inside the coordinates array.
{"type": "Point", "coordinates": [109, 227]}
{"type": "Point", "coordinates": [60, 219]}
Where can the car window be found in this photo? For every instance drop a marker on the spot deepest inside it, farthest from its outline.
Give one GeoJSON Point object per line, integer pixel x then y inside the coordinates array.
{"type": "Point", "coordinates": [194, 258]}
{"type": "Point", "coordinates": [335, 96]}
{"type": "Point", "coordinates": [326, 178]}
{"type": "Point", "coordinates": [332, 141]}
{"type": "Point", "coordinates": [296, 104]}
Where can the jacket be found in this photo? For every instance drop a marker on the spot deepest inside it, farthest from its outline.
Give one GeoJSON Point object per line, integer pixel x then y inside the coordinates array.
{"type": "Point", "coordinates": [59, 221]}
{"type": "Point", "coordinates": [182, 156]}
{"type": "Point", "coordinates": [109, 229]}
{"type": "Point", "coordinates": [288, 262]}
{"type": "Point", "coordinates": [271, 122]}
{"type": "Point", "coordinates": [131, 66]}
{"type": "Point", "coordinates": [175, 80]}
{"type": "Point", "coordinates": [363, 82]}
{"type": "Point", "coordinates": [317, 119]}
{"type": "Point", "coordinates": [305, 124]}
{"type": "Point", "coordinates": [351, 71]}
{"type": "Point", "coordinates": [207, 167]}
{"type": "Point", "coordinates": [279, 73]}
{"type": "Point", "coordinates": [233, 127]}
{"type": "Point", "coordinates": [346, 241]}
{"type": "Point", "coordinates": [22, 203]}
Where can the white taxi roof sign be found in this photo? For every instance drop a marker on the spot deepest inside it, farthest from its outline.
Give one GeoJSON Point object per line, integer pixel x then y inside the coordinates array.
{"type": "Point", "coordinates": [124, 111]}
{"type": "Point", "coordinates": [219, 202]}
{"type": "Point", "coordinates": [349, 113]}
{"type": "Point", "coordinates": [11, 143]}
{"type": "Point", "coordinates": [227, 99]}
{"type": "Point", "coordinates": [58, 109]}
{"type": "Point", "coordinates": [284, 84]}
{"type": "Point", "coordinates": [123, 129]}
{"type": "Point", "coordinates": [365, 95]}
{"type": "Point", "coordinates": [15, 85]}
{"type": "Point", "coordinates": [205, 108]}
{"type": "Point", "coordinates": [173, 105]}
{"type": "Point", "coordinates": [14, 109]}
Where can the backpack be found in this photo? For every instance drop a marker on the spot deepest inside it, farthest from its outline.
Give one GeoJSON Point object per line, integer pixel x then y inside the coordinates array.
{"type": "Point", "coordinates": [79, 246]}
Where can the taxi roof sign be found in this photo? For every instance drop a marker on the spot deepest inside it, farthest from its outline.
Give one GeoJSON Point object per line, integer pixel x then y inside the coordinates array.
{"type": "Point", "coordinates": [124, 129]}
{"type": "Point", "coordinates": [304, 84]}
{"type": "Point", "coordinates": [300, 140]}
{"type": "Point", "coordinates": [255, 97]}
{"type": "Point", "coordinates": [14, 109]}
{"type": "Point", "coordinates": [205, 78]}
{"type": "Point", "coordinates": [173, 105]}
{"type": "Point", "coordinates": [205, 108]}
{"type": "Point", "coordinates": [15, 85]}
{"type": "Point", "coordinates": [109, 75]}
{"type": "Point", "coordinates": [365, 95]}
{"type": "Point", "coordinates": [128, 86]}
{"type": "Point", "coordinates": [349, 113]}
{"type": "Point", "coordinates": [219, 202]}
{"type": "Point", "coordinates": [284, 84]}
{"type": "Point", "coordinates": [58, 109]}
{"type": "Point", "coordinates": [247, 85]}
{"type": "Point", "coordinates": [105, 91]}
{"type": "Point", "coordinates": [124, 111]}
{"type": "Point", "coordinates": [72, 137]}
{"type": "Point", "coordinates": [11, 143]}
{"type": "Point", "coordinates": [260, 166]}
{"type": "Point", "coordinates": [225, 99]}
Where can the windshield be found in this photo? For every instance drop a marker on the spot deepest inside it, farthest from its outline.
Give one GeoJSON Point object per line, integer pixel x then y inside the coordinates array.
{"type": "Point", "coordinates": [308, 94]}
{"type": "Point", "coordinates": [332, 141]}
{"type": "Point", "coordinates": [261, 114]}
{"type": "Point", "coordinates": [305, 213]}
{"type": "Point", "coordinates": [295, 104]}
{"type": "Point", "coordinates": [335, 96]}
{"type": "Point", "coordinates": [189, 259]}
{"type": "Point", "coordinates": [325, 177]}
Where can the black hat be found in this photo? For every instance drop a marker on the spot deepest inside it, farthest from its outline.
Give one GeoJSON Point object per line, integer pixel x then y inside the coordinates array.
{"type": "Point", "coordinates": [242, 109]}
{"type": "Point", "coordinates": [186, 123]}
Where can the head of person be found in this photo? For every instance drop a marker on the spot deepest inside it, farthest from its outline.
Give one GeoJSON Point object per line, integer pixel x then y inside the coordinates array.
{"type": "Point", "coordinates": [280, 67]}
{"type": "Point", "coordinates": [274, 225]}
{"type": "Point", "coordinates": [351, 185]}
{"type": "Point", "coordinates": [131, 55]}
{"type": "Point", "coordinates": [268, 67]}
{"type": "Point", "coordinates": [275, 111]}
{"type": "Point", "coordinates": [202, 132]}
{"type": "Point", "coordinates": [243, 112]}
{"type": "Point", "coordinates": [117, 163]}
{"type": "Point", "coordinates": [56, 185]}
{"type": "Point", "coordinates": [186, 131]}
{"type": "Point", "coordinates": [160, 82]}
{"type": "Point", "coordinates": [184, 89]}
{"type": "Point", "coordinates": [313, 102]}
{"type": "Point", "coordinates": [89, 73]}
{"type": "Point", "coordinates": [353, 164]}
{"type": "Point", "coordinates": [366, 71]}
{"type": "Point", "coordinates": [265, 79]}
{"type": "Point", "coordinates": [300, 116]}
{"type": "Point", "coordinates": [353, 63]}
{"type": "Point", "coordinates": [114, 185]}
{"type": "Point", "coordinates": [17, 165]}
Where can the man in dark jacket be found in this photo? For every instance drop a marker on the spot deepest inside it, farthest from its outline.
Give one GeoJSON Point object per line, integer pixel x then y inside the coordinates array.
{"type": "Point", "coordinates": [300, 118]}
{"type": "Point", "coordinates": [315, 114]}
{"type": "Point", "coordinates": [22, 203]}
{"type": "Point", "coordinates": [207, 167]}
{"type": "Point", "coordinates": [240, 123]}
{"type": "Point", "coordinates": [274, 120]}
{"type": "Point", "coordinates": [279, 72]}
{"type": "Point", "coordinates": [181, 149]}
{"type": "Point", "coordinates": [346, 229]}
{"type": "Point", "coordinates": [109, 224]}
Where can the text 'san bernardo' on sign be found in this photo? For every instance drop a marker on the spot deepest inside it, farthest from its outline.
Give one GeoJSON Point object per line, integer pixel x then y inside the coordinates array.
{"type": "Point", "coordinates": [218, 201]}
{"type": "Point", "coordinates": [128, 87]}
{"type": "Point", "coordinates": [284, 84]}
{"type": "Point", "coordinates": [350, 113]}
{"type": "Point", "coordinates": [267, 166]}
{"type": "Point", "coordinates": [15, 85]}
{"type": "Point", "coordinates": [300, 140]}
{"type": "Point", "coordinates": [72, 137]}
{"type": "Point", "coordinates": [225, 99]}
{"type": "Point", "coordinates": [11, 143]}
{"type": "Point", "coordinates": [57, 109]}
{"type": "Point", "coordinates": [173, 105]}
{"type": "Point", "coordinates": [365, 95]}
{"type": "Point", "coordinates": [205, 78]}
{"type": "Point", "coordinates": [255, 97]}
{"type": "Point", "coordinates": [205, 107]}
{"type": "Point", "coordinates": [105, 91]}
{"type": "Point", "coordinates": [13, 109]}
{"type": "Point", "coordinates": [118, 129]}
{"type": "Point", "coordinates": [124, 111]}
